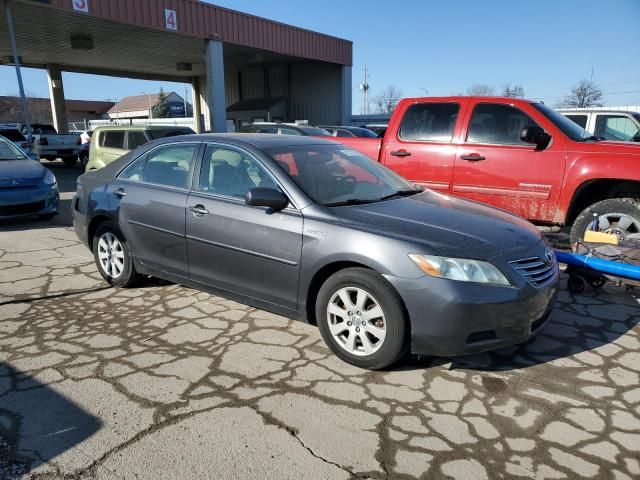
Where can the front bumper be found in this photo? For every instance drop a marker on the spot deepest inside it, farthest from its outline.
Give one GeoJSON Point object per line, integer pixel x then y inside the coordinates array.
{"type": "Point", "coordinates": [450, 318]}
{"type": "Point", "coordinates": [24, 202]}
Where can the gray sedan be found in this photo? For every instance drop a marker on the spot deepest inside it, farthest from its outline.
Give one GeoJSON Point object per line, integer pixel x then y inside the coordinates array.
{"type": "Point", "coordinates": [312, 230]}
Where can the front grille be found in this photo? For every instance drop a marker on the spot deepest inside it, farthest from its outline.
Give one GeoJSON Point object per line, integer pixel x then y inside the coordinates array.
{"type": "Point", "coordinates": [24, 209]}
{"type": "Point", "coordinates": [536, 271]}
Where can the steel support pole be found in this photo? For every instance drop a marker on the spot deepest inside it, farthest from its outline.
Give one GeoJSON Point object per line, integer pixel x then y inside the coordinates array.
{"type": "Point", "coordinates": [16, 62]}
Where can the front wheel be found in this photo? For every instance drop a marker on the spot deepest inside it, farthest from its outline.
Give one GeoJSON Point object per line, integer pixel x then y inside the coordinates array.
{"type": "Point", "coordinates": [362, 319]}
{"type": "Point", "coordinates": [619, 216]}
{"type": "Point", "coordinates": [113, 257]}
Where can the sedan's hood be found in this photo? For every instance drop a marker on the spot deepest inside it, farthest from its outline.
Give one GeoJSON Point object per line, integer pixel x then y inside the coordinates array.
{"type": "Point", "coordinates": [27, 169]}
{"type": "Point", "coordinates": [451, 226]}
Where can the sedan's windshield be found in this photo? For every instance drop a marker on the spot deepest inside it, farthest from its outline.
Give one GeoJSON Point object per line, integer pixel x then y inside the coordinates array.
{"type": "Point", "coordinates": [334, 175]}
{"type": "Point", "coordinates": [8, 151]}
{"type": "Point", "coordinates": [571, 129]}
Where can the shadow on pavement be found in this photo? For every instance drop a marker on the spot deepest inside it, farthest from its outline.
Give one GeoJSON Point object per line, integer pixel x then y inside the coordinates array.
{"type": "Point", "coordinates": [37, 424]}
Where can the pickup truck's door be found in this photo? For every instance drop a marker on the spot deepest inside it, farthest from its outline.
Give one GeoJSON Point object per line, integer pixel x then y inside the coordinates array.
{"type": "Point", "coordinates": [420, 143]}
{"type": "Point", "coordinates": [494, 166]}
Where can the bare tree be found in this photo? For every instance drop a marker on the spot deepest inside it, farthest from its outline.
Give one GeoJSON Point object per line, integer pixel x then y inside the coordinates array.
{"type": "Point", "coordinates": [39, 109]}
{"type": "Point", "coordinates": [387, 100]}
{"type": "Point", "coordinates": [481, 90]}
{"type": "Point", "coordinates": [585, 94]}
{"type": "Point", "coordinates": [515, 91]}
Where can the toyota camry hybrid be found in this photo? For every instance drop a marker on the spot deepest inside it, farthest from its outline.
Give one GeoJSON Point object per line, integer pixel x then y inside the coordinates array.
{"type": "Point", "coordinates": [311, 230]}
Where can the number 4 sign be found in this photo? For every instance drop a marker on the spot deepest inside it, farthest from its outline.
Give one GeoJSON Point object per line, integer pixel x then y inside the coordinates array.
{"type": "Point", "coordinates": [81, 5]}
{"type": "Point", "coordinates": [170, 20]}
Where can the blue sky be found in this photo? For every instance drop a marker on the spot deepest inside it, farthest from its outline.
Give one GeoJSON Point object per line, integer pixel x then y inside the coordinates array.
{"type": "Point", "coordinates": [443, 46]}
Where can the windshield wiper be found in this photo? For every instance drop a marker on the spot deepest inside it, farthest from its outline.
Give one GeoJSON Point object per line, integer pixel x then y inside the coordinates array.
{"type": "Point", "coordinates": [351, 201]}
{"type": "Point", "coordinates": [401, 193]}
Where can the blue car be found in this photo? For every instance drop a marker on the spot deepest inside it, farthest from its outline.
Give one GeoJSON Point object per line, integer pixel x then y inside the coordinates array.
{"type": "Point", "coordinates": [26, 187]}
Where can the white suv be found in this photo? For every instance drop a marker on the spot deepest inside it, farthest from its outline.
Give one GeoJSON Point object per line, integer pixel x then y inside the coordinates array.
{"type": "Point", "coordinates": [608, 124]}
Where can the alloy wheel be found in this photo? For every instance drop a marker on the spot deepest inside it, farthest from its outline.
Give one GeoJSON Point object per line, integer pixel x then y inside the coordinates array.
{"type": "Point", "coordinates": [111, 255]}
{"type": "Point", "coordinates": [623, 225]}
{"type": "Point", "coordinates": [356, 321]}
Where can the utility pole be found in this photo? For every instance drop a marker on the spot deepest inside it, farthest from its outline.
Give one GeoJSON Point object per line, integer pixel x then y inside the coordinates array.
{"type": "Point", "coordinates": [186, 113]}
{"type": "Point", "coordinates": [364, 86]}
{"type": "Point", "coordinates": [16, 62]}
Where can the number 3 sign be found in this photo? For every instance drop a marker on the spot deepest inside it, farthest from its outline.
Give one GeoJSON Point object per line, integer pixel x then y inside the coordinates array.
{"type": "Point", "coordinates": [170, 20]}
{"type": "Point", "coordinates": [81, 5]}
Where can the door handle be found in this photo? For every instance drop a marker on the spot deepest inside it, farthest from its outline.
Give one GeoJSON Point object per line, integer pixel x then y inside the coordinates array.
{"type": "Point", "coordinates": [400, 153]}
{"type": "Point", "coordinates": [120, 193]}
{"type": "Point", "coordinates": [472, 157]}
{"type": "Point", "coordinates": [198, 209]}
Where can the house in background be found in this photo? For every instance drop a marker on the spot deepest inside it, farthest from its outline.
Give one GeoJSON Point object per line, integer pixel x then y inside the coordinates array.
{"type": "Point", "coordinates": [140, 106]}
{"type": "Point", "coordinates": [78, 111]}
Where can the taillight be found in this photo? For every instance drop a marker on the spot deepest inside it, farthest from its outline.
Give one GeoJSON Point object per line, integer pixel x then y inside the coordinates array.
{"type": "Point", "coordinates": [79, 141]}
{"type": "Point", "coordinates": [24, 145]}
{"type": "Point", "coordinates": [43, 141]}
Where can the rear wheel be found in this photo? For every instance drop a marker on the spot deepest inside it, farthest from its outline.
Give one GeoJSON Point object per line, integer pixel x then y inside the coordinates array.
{"type": "Point", "coordinates": [362, 319]}
{"type": "Point", "coordinates": [619, 216]}
{"type": "Point", "coordinates": [113, 257]}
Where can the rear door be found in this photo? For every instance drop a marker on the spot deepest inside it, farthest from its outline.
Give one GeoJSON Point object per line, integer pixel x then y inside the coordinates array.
{"type": "Point", "coordinates": [421, 146]}
{"type": "Point", "coordinates": [236, 247]}
{"type": "Point", "coordinates": [150, 196]}
{"type": "Point", "coordinates": [494, 166]}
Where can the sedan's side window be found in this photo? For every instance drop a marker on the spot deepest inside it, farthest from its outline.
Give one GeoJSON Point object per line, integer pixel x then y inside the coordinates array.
{"type": "Point", "coordinates": [170, 165]}
{"type": "Point", "coordinates": [231, 173]}
{"type": "Point", "coordinates": [134, 171]}
{"type": "Point", "coordinates": [498, 124]}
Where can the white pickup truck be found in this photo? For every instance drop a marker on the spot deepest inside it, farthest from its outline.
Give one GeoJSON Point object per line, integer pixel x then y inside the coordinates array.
{"type": "Point", "coordinates": [50, 145]}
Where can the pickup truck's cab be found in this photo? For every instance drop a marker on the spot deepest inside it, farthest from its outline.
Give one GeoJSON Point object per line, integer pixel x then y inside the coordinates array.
{"type": "Point", "coordinates": [514, 154]}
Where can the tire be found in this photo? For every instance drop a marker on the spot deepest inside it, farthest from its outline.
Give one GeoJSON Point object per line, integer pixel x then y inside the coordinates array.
{"type": "Point", "coordinates": [69, 161]}
{"type": "Point", "coordinates": [390, 319]}
{"type": "Point", "coordinates": [124, 274]}
{"type": "Point", "coordinates": [608, 210]}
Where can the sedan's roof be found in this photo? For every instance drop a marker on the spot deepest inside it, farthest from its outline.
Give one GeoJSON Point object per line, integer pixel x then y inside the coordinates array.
{"type": "Point", "coordinates": [258, 140]}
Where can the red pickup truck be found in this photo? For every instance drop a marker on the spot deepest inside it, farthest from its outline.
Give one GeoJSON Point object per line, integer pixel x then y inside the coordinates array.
{"type": "Point", "coordinates": [518, 155]}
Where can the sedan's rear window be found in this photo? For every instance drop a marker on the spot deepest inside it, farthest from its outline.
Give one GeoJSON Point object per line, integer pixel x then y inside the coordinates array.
{"type": "Point", "coordinates": [13, 135]}
{"type": "Point", "coordinates": [169, 132]}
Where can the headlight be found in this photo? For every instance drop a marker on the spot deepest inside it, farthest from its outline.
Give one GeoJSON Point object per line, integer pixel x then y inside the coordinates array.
{"type": "Point", "coordinates": [460, 269]}
{"type": "Point", "coordinates": [49, 178]}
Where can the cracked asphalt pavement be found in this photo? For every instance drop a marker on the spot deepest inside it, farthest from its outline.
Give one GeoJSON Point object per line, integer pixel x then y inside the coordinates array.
{"type": "Point", "coordinates": [165, 382]}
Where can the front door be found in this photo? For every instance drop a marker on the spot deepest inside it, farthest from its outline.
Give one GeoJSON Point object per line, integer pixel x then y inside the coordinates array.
{"type": "Point", "coordinates": [236, 247]}
{"type": "Point", "coordinates": [423, 150]}
{"type": "Point", "coordinates": [151, 196]}
{"type": "Point", "coordinates": [494, 166]}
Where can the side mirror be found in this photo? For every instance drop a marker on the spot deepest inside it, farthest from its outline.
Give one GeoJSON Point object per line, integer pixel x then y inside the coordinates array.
{"type": "Point", "coordinates": [266, 197]}
{"type": "Point", "coordinates": [536, 136]}
{"type": "Point", "coordinates": [33, 156]}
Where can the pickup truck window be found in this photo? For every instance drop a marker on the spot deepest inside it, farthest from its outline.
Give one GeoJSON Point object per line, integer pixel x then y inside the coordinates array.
{"type": "Point", "coordinates": [572, 130]}
{"type": "Point", "coordinates": [429, 121]}
{"type": "Point", "coordinates": [579, 119]}
{"type": "Point", "coordinates": [615, 127]}
{"type": "Point", "coordinates": [498, 124]}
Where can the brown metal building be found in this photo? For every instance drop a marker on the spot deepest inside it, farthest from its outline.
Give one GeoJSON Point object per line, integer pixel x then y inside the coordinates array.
{"type": "Point", "coordinates": [227, 55]}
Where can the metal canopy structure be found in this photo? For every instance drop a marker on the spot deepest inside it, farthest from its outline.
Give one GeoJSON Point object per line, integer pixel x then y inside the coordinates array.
{"type": "Point", "coordinates": [169, 41]}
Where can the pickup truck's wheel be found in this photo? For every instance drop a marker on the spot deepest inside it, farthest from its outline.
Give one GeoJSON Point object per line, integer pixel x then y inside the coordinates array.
{"type": "Point", "coordinates": [70, 161]}
{"type": "Point", "coordinates": [362, 319]}
{"type": "Point", "coordinates": [620, 216]}
{"type": "Point", "coordinates": [113, 257]}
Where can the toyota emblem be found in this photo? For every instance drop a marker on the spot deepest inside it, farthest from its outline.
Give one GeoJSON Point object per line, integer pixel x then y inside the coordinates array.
{"type": "Point", "coordinates": [548, 254]}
